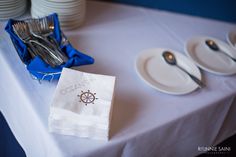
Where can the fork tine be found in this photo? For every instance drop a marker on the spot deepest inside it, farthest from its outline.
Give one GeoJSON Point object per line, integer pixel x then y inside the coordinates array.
{"type": "Point", "coordinates": [46, 25]}
{"type": "Point", "coordinates": [21, 30]}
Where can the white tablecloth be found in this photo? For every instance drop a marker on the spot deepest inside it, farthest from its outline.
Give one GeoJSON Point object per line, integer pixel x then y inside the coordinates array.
{"type": "Point", "coordinates": [145, 122]}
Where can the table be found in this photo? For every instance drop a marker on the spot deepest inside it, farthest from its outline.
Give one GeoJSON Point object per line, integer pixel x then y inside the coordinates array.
{"type": "Point", "coordinates": [145, 122]}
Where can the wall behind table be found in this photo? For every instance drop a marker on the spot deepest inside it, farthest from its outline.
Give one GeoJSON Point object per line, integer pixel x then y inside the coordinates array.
{"type": "Point", "coordinates": [224, 10]}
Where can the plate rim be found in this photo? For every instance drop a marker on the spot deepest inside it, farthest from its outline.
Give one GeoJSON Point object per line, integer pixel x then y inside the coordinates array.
{"type": "Point", "coordinates": [160, 89]}
{"type": "Point", "coordinates": [198, 64]}
{"type": "Point", "coordinates": [228, 40]}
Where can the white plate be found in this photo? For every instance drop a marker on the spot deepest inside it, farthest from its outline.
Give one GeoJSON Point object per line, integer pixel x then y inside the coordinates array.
{"type": "Point", "coordinates": [65, 11]}
{"type": "Point", "coordinates": [12, 11]}
{"type": "Point", "coordinates": [63, 1]}
{"type": "Point", "coordinates": [73, 8]}
{"type": "Point", "coordinates": [209, 60]}
{"type": "Point", "coordinates": [58, 5]}
{"type": "Point", "coordinates": [12, 6]}
{"type": "Point", "coordinates": [152, 69]}
{"type": "Point", "coordinates": [9, 2]}
{"type": "Point", "coordinates": [231, 38]}
{"type": "Point", "coordinates": [16, 13]}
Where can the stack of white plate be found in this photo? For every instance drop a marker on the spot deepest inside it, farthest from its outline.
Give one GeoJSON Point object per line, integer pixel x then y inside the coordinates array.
{"type": "Point", "coordinates": [71, 12]}
{"type": "Point", "coordinates": [12, 8]}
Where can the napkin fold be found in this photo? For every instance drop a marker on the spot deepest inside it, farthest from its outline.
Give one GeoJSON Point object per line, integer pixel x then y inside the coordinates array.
{"type": "Point", "coordinates": [82, 105]}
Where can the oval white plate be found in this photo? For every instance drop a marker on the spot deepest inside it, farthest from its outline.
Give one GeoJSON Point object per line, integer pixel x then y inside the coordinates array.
{"type": "Point", "coordinates": [209, 60]}
{"type": "Point", "coordinates": [231, 38]}
{"type": "Point", "coordinates": [153, 70]}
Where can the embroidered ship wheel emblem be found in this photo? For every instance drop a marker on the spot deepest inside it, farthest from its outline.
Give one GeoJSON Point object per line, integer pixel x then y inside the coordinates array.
{"type": "Point", "coordinates": [87, 97]}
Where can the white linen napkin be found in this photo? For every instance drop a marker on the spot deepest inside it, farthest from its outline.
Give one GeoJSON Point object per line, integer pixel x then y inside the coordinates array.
{"type": "Point", "coordinates": [82, 105]}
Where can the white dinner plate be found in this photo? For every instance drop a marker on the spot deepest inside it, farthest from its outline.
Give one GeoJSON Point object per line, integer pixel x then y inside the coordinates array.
{"type": "Point", "coordinates": [8, 2]}
{"type": "Point", "coordinates": [153, 70]}
{"type": "Point", "coordinates": [209, 60]}
{"type": "Point", "coordinates": [66, 11]}
{"type": "Point", "coordinates": [12, 11]}
{"type": "Point", "coordinates": [231, 38]}
{"type": "Point", "coordinates": [15, 12]}
{"type": "Point", "coordinates": [61, 1]}
{"type": "Point", "coordinates": [11, 6]}
{"type": "Point", "coordinates": [61, 4]}
{"type": "Point", "coordinates": [71, 12]}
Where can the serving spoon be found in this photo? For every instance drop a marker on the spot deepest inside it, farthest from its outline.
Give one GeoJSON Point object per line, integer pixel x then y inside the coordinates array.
{"type": "Point", "coordinates": [171, 60]}
{"type": "Point", "coordinates": [213, 46]}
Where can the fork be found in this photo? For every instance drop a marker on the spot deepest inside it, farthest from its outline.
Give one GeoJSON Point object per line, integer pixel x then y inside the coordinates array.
{"type": "Point", "coordinates": [43, 29]}
{"type": "Point", "coordinates": [47, 28]}
{"type": "Point", "coordinates": [64, 40]}
{"type": "Point", "coordinates": [31, 52]}
{"type": "Point", "coordinates": [22, 31]}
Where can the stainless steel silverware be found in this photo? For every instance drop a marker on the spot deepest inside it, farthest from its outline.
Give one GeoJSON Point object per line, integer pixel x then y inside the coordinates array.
{"type": "Point", "coordinates": [213, 46]}
{"type": "Point", "coordinates": [170, 59]}
{"type": "Point", "coordinates": [22, 31]}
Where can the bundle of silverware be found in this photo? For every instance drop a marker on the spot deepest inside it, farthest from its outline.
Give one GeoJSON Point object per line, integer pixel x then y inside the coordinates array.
{"type": "Point", "coordinates": [37, 34]}
{"type": "Point", "coordinates": [43, 47]}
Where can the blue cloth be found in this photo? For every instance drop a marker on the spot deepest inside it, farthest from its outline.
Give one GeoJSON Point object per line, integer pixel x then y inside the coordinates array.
{"type": "Point", "coordinates": [36, 66]}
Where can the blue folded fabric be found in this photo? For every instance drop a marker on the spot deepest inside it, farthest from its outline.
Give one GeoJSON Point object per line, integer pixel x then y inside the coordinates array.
{"type": "Point", "coordinates": [36, 66]}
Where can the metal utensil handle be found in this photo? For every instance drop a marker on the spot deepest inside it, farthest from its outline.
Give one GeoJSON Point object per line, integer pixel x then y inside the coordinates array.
{"type": "Point", "coordinates": [234, 59]}
{"type": "Point", "coordinates": [57, 52]}
{"type": "Point", "coordinates": [64, 40]}
{"type": "Point", "coordinates": [46, 58]}
{"type": "Point", "coordinates": [53, 40]}
{"type": "Point", "coordinates": [194, 78]}
{"type": "Point", "coordinates": [44, 40]}
{"type": "Point", "coordinates": [31, 50]}
{"type": "Point", "coordinates": [48, 49]}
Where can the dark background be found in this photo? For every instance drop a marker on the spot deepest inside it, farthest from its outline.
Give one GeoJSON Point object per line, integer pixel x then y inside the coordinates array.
{"type": "Point", "coordinates": [224, 10]}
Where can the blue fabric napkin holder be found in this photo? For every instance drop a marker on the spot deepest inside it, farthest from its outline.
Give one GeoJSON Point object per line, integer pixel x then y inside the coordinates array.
{"type": "Point", "coordinates": [36, 66]}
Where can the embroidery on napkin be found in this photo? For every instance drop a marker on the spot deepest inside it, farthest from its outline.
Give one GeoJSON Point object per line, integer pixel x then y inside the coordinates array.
{"type": "Point", "coordinates": [87, 97]}
{"type": "Point", "coordinates": [85, 81]}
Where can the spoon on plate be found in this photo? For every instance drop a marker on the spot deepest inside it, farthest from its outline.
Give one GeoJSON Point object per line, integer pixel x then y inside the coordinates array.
{"type": "Point", "coordinates": [170, 59]}
{"type": "Point", "coordinates": [213, 46]}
